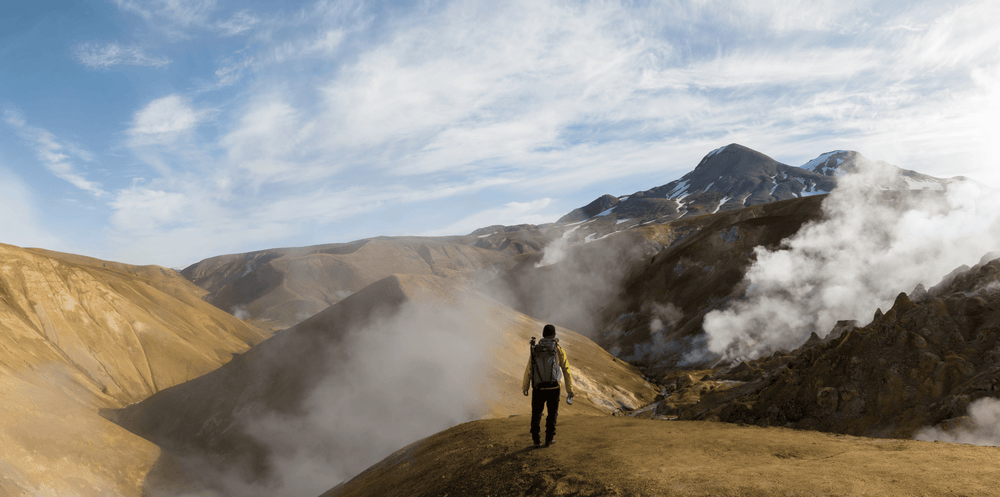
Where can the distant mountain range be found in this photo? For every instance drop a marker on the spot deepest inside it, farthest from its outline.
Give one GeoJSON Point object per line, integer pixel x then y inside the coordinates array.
{"type": "Point", "coordinates": [734, 177]}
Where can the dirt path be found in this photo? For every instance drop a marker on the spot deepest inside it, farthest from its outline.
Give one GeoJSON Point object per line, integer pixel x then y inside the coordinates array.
{"type": "Point", "coordinates": [601, 455]}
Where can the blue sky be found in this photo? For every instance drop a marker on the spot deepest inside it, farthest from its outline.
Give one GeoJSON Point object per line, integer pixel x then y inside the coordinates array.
{"type": "Point", "coordinates": [168, 131]}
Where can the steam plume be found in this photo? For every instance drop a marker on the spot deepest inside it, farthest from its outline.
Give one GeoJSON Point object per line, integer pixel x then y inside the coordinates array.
{"type": "Point", "coordinates": [984, 428]}
{"type": "Point", "coordinates": [869, 246]}
{"type": "Point", "coordinates": [406, 376]}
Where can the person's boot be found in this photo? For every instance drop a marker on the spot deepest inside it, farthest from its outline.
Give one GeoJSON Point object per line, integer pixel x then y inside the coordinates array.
{"type": "Point", "coordinates": [537, 441]}
{"type": "Point", "coordinates": [550, 441]}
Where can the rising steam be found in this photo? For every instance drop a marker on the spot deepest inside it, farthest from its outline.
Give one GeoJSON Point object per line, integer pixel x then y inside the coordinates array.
{"type": "Point", "coordinates": [981, 428]}
{"type": "Point", "coordinates": [406, 376]}
{"type": "Point", "coordinates": [869, 246]}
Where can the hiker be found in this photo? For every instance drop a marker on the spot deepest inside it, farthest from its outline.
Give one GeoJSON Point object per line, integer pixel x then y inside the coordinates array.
{"type": "Point", "coordinates": [546, 366]}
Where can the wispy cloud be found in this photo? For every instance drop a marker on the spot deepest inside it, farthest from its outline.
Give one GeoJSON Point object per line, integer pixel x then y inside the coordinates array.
{"type": "Point", "coordinates": [98, 56]}
{"type": "Point", "coordinates": [240, 22]}
{"type": "Point", "coordinates": [52, 152]}
{"type": "Point", "coordinates": [180, 12]}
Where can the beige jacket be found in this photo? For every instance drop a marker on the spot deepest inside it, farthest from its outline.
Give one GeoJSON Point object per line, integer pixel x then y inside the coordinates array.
{"type": "Point", "coordinates": [563, 363]}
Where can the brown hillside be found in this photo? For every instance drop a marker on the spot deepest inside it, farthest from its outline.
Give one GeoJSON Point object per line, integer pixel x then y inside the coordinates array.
{"type": "Point", "coordinates": [308, 369]}
{"type": "Point", "coordinates": [614, 456]}
{"type": "Point", "coordinates": [127, 331]}
{"type": "Point", "coordinates": [79, 335]}
{"type": "Point", "coordinates": [661, 308]}
{"type": "Point", "coordinates": [281, 287]}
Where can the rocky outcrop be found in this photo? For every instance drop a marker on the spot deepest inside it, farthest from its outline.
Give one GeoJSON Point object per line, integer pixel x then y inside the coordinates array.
{"type": "Point", "coordinates": [918, 364]}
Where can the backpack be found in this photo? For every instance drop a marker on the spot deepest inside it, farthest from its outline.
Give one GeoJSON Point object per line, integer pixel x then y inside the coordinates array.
{"type": "Point", "coordinates": [545, 371]}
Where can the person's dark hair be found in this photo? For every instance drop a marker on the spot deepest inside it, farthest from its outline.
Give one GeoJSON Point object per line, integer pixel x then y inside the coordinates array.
{"type": "Point", "coordinates": [549, 331]}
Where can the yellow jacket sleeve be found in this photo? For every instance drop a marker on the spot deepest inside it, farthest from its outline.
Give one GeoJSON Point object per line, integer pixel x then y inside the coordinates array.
{"type": "Point", "coordinates": [564, 364]}
{"type": "Point", "coordinates": [527, 377]}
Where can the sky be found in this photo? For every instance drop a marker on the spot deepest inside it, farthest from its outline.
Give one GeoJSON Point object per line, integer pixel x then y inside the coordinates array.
{"type": "Point", "coordinates": [169, 131]}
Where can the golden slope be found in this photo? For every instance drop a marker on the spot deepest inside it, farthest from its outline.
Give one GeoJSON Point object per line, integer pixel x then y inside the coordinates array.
{"type": "Point", "coordinates": [614, 456]}
{"type": "Point", "coordinates": [78, 336]}
{"type": "Point", "coordinates": [128, 331]}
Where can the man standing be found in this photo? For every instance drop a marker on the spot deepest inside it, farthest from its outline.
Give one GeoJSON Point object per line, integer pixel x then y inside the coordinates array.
{"type": "Point", "coordinates": [546, 366]}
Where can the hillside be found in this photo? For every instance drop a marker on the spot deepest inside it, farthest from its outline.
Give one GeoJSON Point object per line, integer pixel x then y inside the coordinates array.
{"type": "Point", "coordinates": [80, 336]}
{"type": "Point", "coordinates": [399, 360]}
{"type": "Point", "coordinates": [613, 456]}
{"type": "Point", "coordinates": [278, 288]}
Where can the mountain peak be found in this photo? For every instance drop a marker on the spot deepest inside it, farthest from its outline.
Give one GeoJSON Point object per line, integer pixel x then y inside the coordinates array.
{"type": "Point", "coordinates": [734, 159]}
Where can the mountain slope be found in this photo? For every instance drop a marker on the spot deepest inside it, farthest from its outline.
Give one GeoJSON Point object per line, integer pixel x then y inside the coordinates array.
{"type": "Point", "coordinates": [612, 456]}
{"type": "Point", "coordinates": [79, 336]}
{"type": "Point", "coordinates": [395, 361]}
{"type": "Point", "coordinates": [278, 288]}
{"type": "Point", "coordinates": [125, 334]}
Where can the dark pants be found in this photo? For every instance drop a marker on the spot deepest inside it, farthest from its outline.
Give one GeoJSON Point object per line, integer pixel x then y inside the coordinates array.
{"type": "Point", "coordinates": [539, 399]}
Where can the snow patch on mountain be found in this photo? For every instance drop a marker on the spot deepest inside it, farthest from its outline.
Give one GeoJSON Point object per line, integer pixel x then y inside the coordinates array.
{"type": "Point", "coordinates": [822, 159]}
{"type": "Point", "coordinates": [720, 149]}
{"type": "Point", "coordinates": [680, 189]}
{"type": "Point", "coordinates": [721, 203]}
{"type": "Point", "coordinates": [605, 213]}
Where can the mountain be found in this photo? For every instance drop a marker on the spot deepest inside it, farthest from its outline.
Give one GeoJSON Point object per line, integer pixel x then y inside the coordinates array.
{"type": "Point", "coordinates": [734, 177]}
{"type": "Point", "coordinates": [278, 288]}
{"type": "Point", "coordinates": [840, 162]}
{"type": "Point", "coordinates": [398, 360]}
{"type": "Point", "coordinates": [80, 337]}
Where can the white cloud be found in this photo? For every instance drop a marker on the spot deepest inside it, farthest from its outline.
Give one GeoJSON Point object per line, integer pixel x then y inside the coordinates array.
{"type": "Point", "coordinates": [97, 56]}
{"type": "Point", "coordinates": [142, 210]}
{"type": "Point", "coordinates": [165, 117]}
{"type": "Point", "coordinates": [52, 152]}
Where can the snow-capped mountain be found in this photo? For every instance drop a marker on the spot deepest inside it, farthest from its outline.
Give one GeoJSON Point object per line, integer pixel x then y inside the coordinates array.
{"type": "Point", "coordinates": [840, 162]}
{"type": "Point", "coordinates": [734, 176]}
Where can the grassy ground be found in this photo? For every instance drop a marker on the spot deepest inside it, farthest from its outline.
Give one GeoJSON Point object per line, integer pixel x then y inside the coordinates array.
{"type": "Point", "coordinates": [603, 455]}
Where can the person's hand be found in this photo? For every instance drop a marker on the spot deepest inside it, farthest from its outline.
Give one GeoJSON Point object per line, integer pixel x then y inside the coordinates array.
{"type": "Point", "coordinates": [525, 393]}
{"type": "Point", "coordinates": [569, 399]}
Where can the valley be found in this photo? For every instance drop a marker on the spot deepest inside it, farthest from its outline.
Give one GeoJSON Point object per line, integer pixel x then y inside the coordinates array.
{"type": "Point", "coordinates": [751, 328]}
